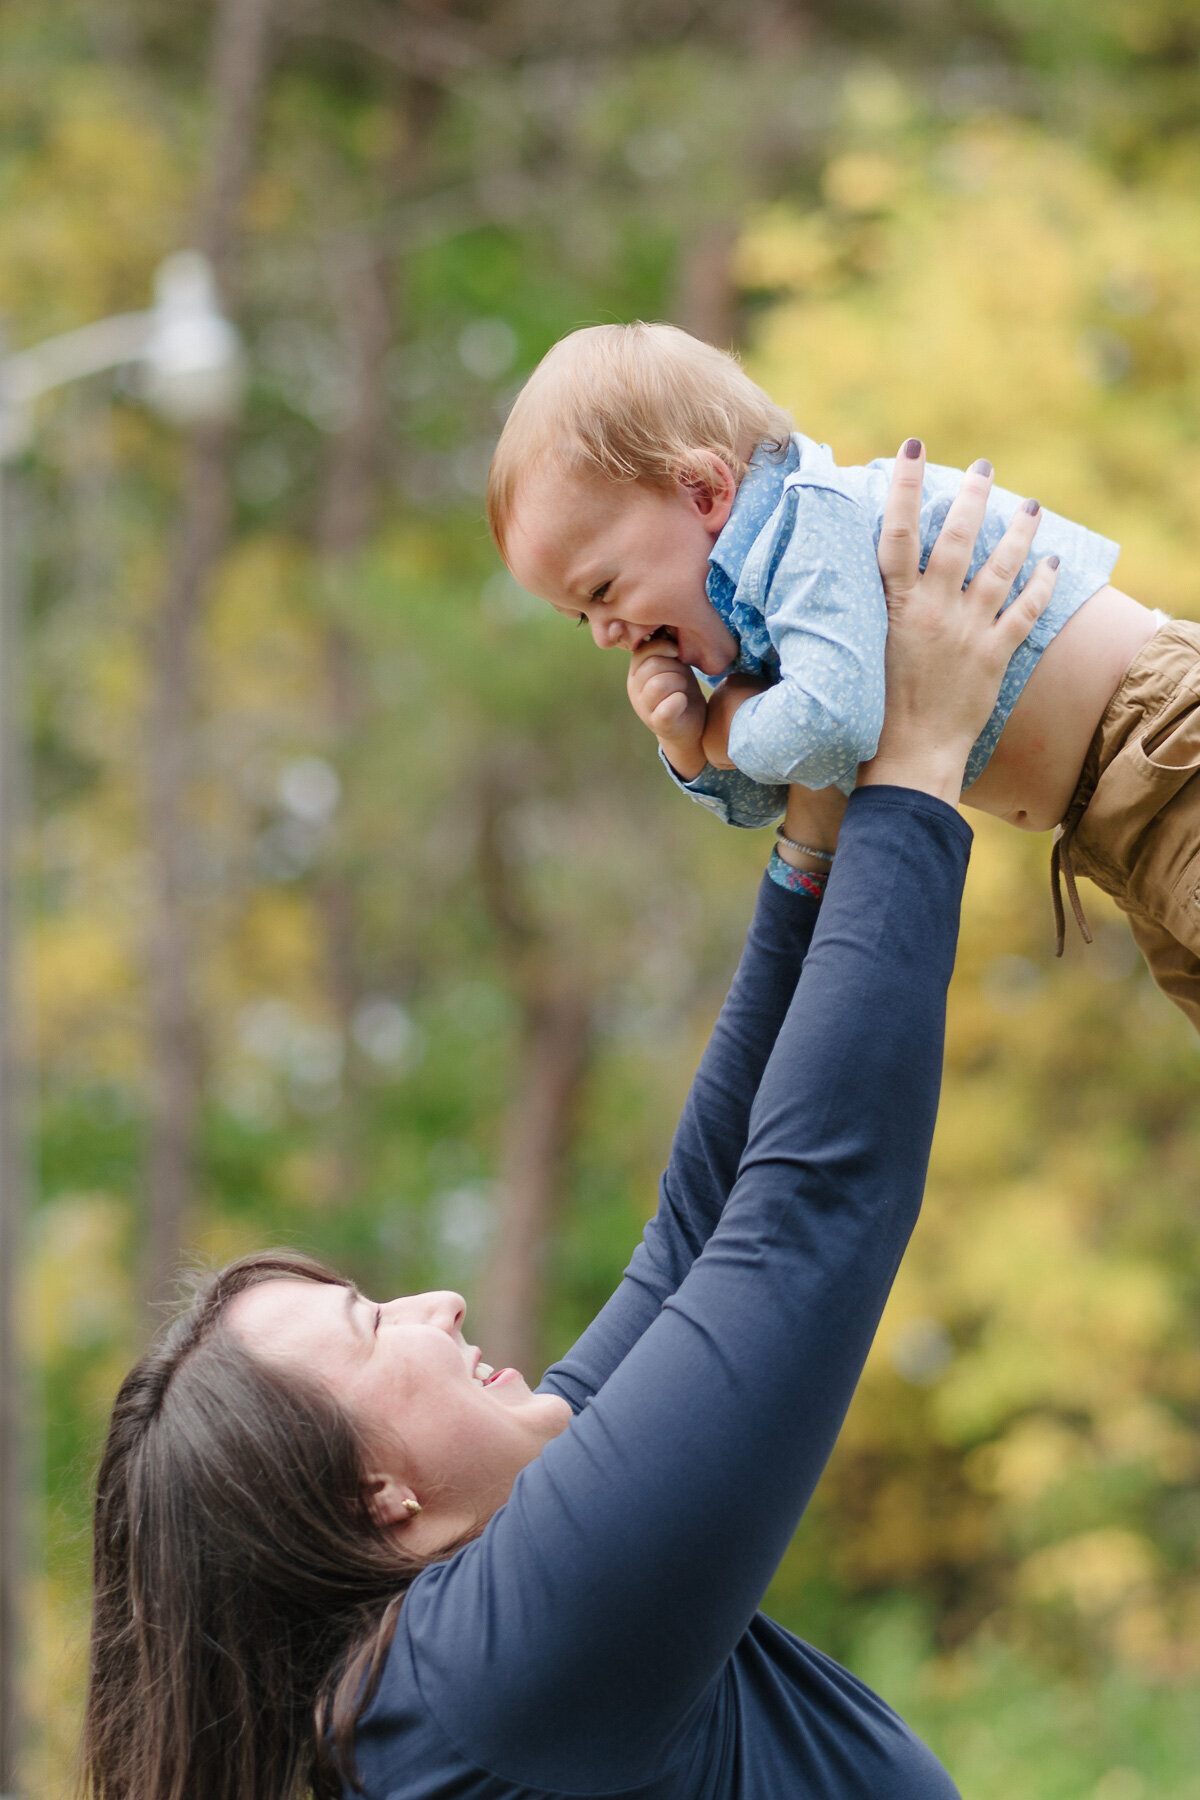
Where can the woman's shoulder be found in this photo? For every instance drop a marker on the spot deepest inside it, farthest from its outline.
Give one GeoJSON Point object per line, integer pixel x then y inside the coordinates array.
{"type": "Point", "coordinates": [459, 1710]}
{"type": "Point", "coordinates": [763, 1729]}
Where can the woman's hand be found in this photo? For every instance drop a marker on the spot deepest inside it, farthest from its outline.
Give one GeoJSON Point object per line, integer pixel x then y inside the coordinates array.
{"type": "Point", "coordinates": [947, 648]}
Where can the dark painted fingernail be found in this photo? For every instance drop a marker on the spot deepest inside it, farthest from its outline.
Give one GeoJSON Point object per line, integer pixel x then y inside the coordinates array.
{"type": "Point", "coordinates": [982, 467]}
{"type": "Point", "coordinates": [912, 447]}
{"type": "Point", "coordinates": [1032, 506]}
{"type": "Point", "coordinates": [1053, 561]}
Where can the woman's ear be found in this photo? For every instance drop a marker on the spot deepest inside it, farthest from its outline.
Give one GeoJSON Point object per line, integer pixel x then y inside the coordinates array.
{"type": "Point", "coordinates": [391, 1502]}
{"type": "Point", "coordinates": [710, 485]}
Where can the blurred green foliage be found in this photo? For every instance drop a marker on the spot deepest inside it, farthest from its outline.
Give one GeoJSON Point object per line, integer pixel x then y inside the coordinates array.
{"type": "Point", "coordinates": [972, 219]}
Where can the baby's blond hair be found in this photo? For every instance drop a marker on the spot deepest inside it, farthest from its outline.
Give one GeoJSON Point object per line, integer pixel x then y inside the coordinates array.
{"type": "Point", "coordinates": [630, 403]}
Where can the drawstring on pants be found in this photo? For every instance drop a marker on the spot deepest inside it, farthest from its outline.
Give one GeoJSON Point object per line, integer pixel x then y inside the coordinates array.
{"type": "Point", "coordinates": [1060, 864]}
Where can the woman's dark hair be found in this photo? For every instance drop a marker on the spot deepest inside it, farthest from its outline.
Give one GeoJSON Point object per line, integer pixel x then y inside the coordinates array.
{"type": "Point", "coordinates": [245, 1596]}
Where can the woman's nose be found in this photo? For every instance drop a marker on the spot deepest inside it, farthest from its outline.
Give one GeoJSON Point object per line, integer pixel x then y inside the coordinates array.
{"type": "Point", "coordinates": [441, 1307]}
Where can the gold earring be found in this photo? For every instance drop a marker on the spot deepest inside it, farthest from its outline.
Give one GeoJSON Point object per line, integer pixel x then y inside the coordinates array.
{"type": "Point", "coordinates": [411, 1507]}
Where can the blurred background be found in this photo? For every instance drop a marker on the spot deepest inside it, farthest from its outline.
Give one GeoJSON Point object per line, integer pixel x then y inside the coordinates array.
{"type": "Point", "coordinates": [348, 907]}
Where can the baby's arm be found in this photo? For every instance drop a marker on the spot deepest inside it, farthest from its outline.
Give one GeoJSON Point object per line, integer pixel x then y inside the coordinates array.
{"type": "Point", "coordinates": [666, 697]}
{"type": "Point", "coordinates": [723, 703]}
{"type": "Point", "coordinates": [825, 612]}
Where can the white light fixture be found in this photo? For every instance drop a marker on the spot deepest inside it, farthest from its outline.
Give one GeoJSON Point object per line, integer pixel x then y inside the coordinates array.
{"type": "Point", "coordinates": [192, 357]}
{"type": "Point", "coordinates": [186, 352]}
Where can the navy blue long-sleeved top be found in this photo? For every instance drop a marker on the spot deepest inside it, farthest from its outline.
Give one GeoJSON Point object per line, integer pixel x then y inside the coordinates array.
{"type": "Point", "coordinates": [602, 1635]}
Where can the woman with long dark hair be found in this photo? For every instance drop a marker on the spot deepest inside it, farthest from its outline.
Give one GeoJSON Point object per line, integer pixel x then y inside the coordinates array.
{"type": "Point", "coordinates": [336, 1552]}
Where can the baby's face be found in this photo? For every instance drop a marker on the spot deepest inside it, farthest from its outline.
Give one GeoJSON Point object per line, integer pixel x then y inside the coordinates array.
{"type": "Point", "coordinates": [629, 559]}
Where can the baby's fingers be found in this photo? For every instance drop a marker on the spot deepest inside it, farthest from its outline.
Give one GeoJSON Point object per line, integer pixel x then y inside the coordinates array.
{"type": "Point", "coordinates": [663, 692]}
{"type": "Point", "coordinates": [665, 714]}
{"type": "Point", "coordinates": [657, 676]}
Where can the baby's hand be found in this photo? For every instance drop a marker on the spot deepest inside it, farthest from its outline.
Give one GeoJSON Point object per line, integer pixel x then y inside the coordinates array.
{"type": "Point", "coordinates": [723, 702]}
{"type": "Point", "coordinates": [666, 696]}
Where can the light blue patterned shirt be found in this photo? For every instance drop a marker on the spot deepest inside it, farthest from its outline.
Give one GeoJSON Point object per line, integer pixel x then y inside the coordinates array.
{"type": "Point", "coordinates": [794, 575]}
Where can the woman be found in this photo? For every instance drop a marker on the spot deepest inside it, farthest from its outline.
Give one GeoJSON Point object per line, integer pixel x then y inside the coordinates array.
{"type": "Point", "coordinates": [332, 1547]}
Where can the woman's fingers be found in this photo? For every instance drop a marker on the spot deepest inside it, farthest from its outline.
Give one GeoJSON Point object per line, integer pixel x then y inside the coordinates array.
{"type": "Point", "coordinates": [1015, 623]}
{"type": "Point", "coordinates": [950, 558]}
{"type": "Point", "coordinates": [994, 580]}
{"type": "Point", "coordinates": [900, 537]}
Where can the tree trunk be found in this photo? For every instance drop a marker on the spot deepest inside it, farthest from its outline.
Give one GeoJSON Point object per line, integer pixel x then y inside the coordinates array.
{"type": "Point", "coordinates": [349, 509]}
{"type": "Point", "coordinates": [706, 303]}
{"type": "Point", "coordinates": [556, 1015]}
{"type": "Point", "coordinates": [239, 68]}
{"type": "Point", "coordinates": [548, 1079]}
{"type": "Point", "coordinates": [175, 1071]}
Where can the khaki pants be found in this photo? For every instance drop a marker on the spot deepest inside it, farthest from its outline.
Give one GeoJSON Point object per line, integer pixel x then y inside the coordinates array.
{"type": "Point", "coordinates": [1133, 825]}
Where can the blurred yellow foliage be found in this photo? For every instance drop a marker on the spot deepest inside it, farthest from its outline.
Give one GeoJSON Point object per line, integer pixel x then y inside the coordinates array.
{"type": "Point", "coordinates": [1097, 1572]}
{"type": "Point", "coordinates": [861, 181]}
{"type": "Point", "coordinates": [278, 947]}
{"type": "Point", "coordinates": [80, 974]}
{"type": "Point", "coordinates": [79, 1293]}
{"type": "Point", "coordinates": [1016, 302]}
{"type": "Point", "coordinates": [106, 195]}
{"type": "Point", "coordinates": [262, 648]}
{"type": "Point", "coordinates": [1033, 1457]}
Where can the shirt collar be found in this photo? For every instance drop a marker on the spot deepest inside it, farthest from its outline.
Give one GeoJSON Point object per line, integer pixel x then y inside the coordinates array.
{"type": "Point", "coordinates": [757, 497]}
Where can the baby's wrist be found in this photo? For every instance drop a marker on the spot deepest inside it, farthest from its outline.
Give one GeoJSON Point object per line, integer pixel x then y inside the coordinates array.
{"type": "Point", "coordinates": [687, 760]}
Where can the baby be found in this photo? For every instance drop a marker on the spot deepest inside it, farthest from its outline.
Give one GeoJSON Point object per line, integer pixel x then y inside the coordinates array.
{"type": "Point", "coordinates": [646, 486]}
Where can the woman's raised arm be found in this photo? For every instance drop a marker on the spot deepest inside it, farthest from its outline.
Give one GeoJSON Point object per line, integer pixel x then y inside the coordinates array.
{"type": "Point", "coordinates": [568, 1647]}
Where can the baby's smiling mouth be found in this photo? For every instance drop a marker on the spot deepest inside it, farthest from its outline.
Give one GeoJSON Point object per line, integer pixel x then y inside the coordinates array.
{"type": "Point", "coordinates": [663, 634]}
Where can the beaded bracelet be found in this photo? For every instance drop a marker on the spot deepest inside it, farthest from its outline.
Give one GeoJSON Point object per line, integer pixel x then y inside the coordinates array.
{"type": "Point", "coordinates": [825, 856]}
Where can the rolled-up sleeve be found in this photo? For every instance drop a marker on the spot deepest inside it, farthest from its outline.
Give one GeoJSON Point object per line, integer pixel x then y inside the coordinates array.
{"type": "Point", "coordinates": [731, 796]}
{"type": "Point", "coordinates": [821, 595]}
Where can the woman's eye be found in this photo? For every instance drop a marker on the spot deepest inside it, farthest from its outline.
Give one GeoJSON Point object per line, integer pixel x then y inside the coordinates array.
{"type": "Point", "coordinates": [581, 620]}
{"type": "Point", "coordinates": [599, 593]}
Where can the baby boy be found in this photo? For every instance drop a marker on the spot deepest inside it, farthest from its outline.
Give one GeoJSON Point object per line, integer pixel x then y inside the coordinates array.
{"type": "Point", "coordinates": [646, 486]}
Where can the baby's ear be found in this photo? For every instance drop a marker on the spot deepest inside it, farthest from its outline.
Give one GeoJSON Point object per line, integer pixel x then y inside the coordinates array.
{"type": "Point", "coordinates": [711, 486]}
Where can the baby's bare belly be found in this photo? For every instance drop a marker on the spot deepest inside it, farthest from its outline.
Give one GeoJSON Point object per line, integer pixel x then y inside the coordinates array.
{"type": "Point", "coordinates": [1035, 766]}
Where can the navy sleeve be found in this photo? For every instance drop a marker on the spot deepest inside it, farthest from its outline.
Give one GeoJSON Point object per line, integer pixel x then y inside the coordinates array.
{"type": "Point", "coordinates": [570, 1647]}
{"type": "Point", "coordinates": [708, 1142]}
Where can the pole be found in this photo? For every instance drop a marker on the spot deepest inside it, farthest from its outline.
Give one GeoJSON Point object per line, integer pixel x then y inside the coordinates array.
{"type": "Point", "coordinates": [197, 346]}
{"type": "Point", "coordinates": [12, 1205]}
{"type": "Point", "coordinates": [194, 341]}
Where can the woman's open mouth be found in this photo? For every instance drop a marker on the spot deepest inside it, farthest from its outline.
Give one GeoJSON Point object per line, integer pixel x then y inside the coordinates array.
{"type": "Point", "coordinates": [486, 1376]}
